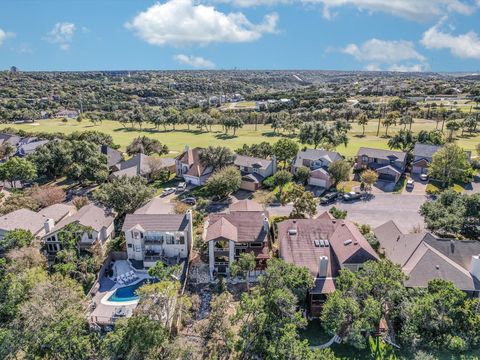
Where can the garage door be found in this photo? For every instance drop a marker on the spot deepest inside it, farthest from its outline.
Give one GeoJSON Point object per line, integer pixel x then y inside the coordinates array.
{"type": "Point", "coordinates": [317, 182]}
{"type": "Point", "coordinates": [386, 177]}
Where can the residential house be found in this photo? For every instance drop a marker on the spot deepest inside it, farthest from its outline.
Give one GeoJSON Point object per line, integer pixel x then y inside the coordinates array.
{"type": "Point", "coordinates": [424, 257]}
{"type": "Point", "coordinates": [325, 246]}
{"type": "Point", "coordinates": [245, 205]}
{"type": "Point", "coordinates": [422, 157]}
{"type": "Point", "coordinates": [158, 237]}
{"type": "Point", "coordinates": [30, 147]}
{"type": "Point", "coordinates": [389, 165]}
{"type": "Point", "coordinates": [69, 114]}
{"type": "Point", "coordinates": [114, 156]}
{"type": "Point", "coordinates": [317, 161]}
{"type": "Point", "coordinates": [190, 167]}
{"type": "Point", "coordinates": [12, 140]}
{"type": "Point", "coordinates": [98, 220]}
{"type": "Point", "coordinates": [140, 165]}
{"type": "Point", "coordinates": [234, 232]}
{"type": "Point", "coordinates": [254, 171]}
{"type": "Point", "coordinates": [33, 221]}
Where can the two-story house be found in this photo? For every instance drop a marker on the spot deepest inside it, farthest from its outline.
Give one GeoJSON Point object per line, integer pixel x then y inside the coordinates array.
{"type": "Point", "coordinates": [189, 167]}
{"type": "Point", "coordinates": [158, 237]}
{"type": "Point", "coordinates": [325, 246]}
{"type": "Point", "coordinates": [98, 220]}
{"type": "Point", "coordinates": [230, 234]}
{"type": "Point", "coordinates": [317, 161]}
{"type": "Point", "coordinates": [389, 165]}
{"type": "Point", "coordinates": [422, 157]}
{"type": "Point", "coordinates": [254, 170]}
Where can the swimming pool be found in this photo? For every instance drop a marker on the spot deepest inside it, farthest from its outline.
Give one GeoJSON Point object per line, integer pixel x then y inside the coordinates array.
{"type": "Point", "coordinates": [127, 293]}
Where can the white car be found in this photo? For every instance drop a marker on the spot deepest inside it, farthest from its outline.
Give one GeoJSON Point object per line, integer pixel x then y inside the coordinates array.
{"type": "Point", "coordinates": [423, 177]}
{"type": "Point", "coordinates": [410, 183]}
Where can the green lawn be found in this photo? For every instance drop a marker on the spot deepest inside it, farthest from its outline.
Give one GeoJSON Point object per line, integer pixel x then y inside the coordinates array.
{"type": "Point", "coordinates": [176, 140]}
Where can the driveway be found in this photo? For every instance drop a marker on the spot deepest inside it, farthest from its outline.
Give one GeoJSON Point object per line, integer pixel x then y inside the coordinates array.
{"type": "Point", "coordinates": [380, 209]}
{"type": "Point", "coordinates": [419, 188]}
{"type": "Point", "coordinates": [474, 187]}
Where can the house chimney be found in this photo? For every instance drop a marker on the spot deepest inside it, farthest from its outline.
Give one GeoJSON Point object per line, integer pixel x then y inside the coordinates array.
{"type": "Point", "coordinates": [48, 225]}
{"type": "Point", "coordinates": [475, 266]}
{"type": "Point", "coordinates": [104, 149]}
{"type": "Point", "coordinates": [266, 225]}
{"type": "Point", "coordinates": [274, 164]}
{"type": "Point", "coordinates": [323, 266]}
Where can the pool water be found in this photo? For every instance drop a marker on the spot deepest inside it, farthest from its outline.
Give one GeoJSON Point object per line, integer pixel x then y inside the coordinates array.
{"type": "Point", "coordinates": [128, 293]}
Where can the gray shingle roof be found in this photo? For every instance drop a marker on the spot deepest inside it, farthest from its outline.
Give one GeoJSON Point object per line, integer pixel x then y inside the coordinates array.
{"type": "Point", "coordinates": [90, 215]}
{"type": "Point", "coordinates": [315, 154]}
{"type": "Point", "coordinates": [249, 161]}
{"type": "Point", "coordinates": [425, 150]}
{"type": "Point", "coordinates": [156, 222]}
{"type": "Point", "coordinates": [382, 154]}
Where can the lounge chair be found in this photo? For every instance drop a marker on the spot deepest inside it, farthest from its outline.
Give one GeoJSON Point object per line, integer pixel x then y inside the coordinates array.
{"type": "Point", "coordinates": [120, 282]}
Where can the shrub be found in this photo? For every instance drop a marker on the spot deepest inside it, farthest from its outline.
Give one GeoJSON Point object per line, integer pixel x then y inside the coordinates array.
{"type": "Point", "coordinates": [432, 189]}
{"type": "Point", "coordinates": [337, 213]}
{"type": "Point", "coordinates": [269, 182]}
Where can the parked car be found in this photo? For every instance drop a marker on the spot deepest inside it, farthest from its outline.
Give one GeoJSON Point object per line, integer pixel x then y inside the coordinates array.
{"type": "Point", "coordinates": [329, 198]}
{"type": "Point", "coordinates": [189, 201]}
{"type": "Point", "coordinates": [423, 177]}
{"type": "Point", "coordinates": [181, 187]}
{"type": "Point", "coordinates": [410, 184]}
{"type": "Point", "coordinates": [352, 195]}
{"type": "Point", "coordinates": [167, 191]}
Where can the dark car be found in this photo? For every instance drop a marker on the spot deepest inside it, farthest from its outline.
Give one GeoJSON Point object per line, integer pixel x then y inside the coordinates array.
{"type": "Point", "coordinates": [329, 198]}
{"type": "Point", "coordinates": [352, 196]}
{"type": "Point", "coordinates": [190, 201]}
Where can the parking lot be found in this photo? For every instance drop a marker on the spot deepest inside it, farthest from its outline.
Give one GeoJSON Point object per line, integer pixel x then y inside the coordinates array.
{"type": "Point", "coordinates": [376, 211]}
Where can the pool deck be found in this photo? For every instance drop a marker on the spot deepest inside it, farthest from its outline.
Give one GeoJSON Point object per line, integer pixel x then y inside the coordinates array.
{"type": "Point", "coordinates": [107, 312]}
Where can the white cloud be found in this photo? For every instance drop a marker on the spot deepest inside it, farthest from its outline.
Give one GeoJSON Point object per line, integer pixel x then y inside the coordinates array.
{"type": "Point", "coordinates": [418, 10]}
{"type": "Point", "coordinates": [4, 35]}
{"type": "Point", "coordinates": [373, 67]}
{"type": "Point", "coordinates": [408, 68]}
{"type": "Point", "coordinates": [253, 3]}
{"type": "Point", "coordinates": [180, 22]}
{"type": "Point", "coordinates": [196, 62]}
{"type": "Point", "coordinates": [61, 34]}
{"type": "Point", "coordinates": [382, 51]}
{"type": "Point", "coordinates": [465, 46]}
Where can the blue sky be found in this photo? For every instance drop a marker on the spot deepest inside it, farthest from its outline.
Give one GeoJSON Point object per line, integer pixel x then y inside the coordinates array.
{"type": "Point", "coordinates": [401, 35]}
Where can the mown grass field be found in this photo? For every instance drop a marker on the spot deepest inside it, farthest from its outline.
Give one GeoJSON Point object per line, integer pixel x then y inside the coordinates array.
{"type": "Point", "coordinates": [176, 140]}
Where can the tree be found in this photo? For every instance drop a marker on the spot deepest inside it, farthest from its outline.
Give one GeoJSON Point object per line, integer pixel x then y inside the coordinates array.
{"type": "Point", "coordinates": [368, 178]}
{"type": "Point", "coordinates": [164, 272]}
{"type": "Point", "coordinates": [441, 317]}
{"type": "Point", "coordinates": [47, 195]}
{"type": "Point", "coordinates": [317, 132]}
{"type": "Point", "coordinates": [52, 159]}
{"type": "Point", "coordinates": [217, 157]}
{"type": "Point", "coordinates": [16, 239]}
{"type": "Point", "coordinates": [304, 202]}
{"type": "Point", "coordinates": [280, 179]}
{"type": "Point", "coordinates": [338, 213]}
{"type": "Point", "coordinates": [361, 299]}
{"type": "Point", "coordinates": [285, 150]}
{"type": "Point", "coordinates": [390, 120]}
{"type": "Point", "coordinates": [243, 266]}
{"type": "Point", "coordinates": [453, 214]}
{"type": "Point", "coordinates": [302, 174]}
{"type": "Point", "coordinates": [124, 194]}
{"type": "Point", "coordinates": [60, 330]}
{"type": "Point", "coordinates": [17, 169]}
{"type": "Point", "coordinates": [269, 315]}
{"type": "Point", "coordinates": [406, 120]}
{"type": "Point", "coordinates": [469, 123]}
{"type": "Point", "coordinates": [87, 163]}
{"type": "Point", "coordinates": [403, 140]}
{"type": "Point", "coordinates": [6, 150]}
{"type": "Point", "coordinates": [452, 126]}
{"type": "Point", "coordinates": [224, 182]}
{"type": "Point", "coordinates": [138, 337]}
{"type": "Point", "coordinates": [434, 137]}
{"type": "Point", "coordinates": [147, 146]}
{"type": "Point", "coordinates": [218, 334]}
{"type": "Point", "coordinates": [262, 150]}
{"type": "Point", "coordinates": [339, 170]}
{"type": "Point", "coordinates": [362, 120]}
{"type": "Point", "coordinates": [449, 165]}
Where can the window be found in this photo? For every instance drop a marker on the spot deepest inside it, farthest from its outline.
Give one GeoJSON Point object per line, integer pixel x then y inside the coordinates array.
{"type": "Point", "coordinates": [365, 158]}
{"type": "Point", "coordinates": [256, 245]}
{"type": "Point", "coordinates": [90, 235]}
{"type": "Point", "coordinates": [180, 239]}
{"type": "Point", "coordinates": [129, 246]}
{"type": "Point", "coordinates": [170, 239]}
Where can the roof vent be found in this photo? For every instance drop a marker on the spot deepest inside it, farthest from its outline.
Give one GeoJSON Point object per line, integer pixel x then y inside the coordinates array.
{"type": "Point", "coordinates": [317, 243]}
{"type": "Point", "coordinates": [437, 267]}
{"type": "Point", "coordinates": [347, 242]}
{"type": "Point", "coordinates": [292, 231]}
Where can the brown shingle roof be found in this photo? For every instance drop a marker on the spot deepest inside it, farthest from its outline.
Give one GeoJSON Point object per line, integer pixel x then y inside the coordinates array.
{"type": "Point", "coordinates": [156, 222]}
{"type": "Point", "coordinates": [346, 244]}
{"type": "Point", "coordinates": [249, 161]}
{"type": "Point", "coordinates": [90, 215]}
{"type": "Point", "coordinates": [245, 205]}
{"type": "Point", "coordinates": [249, 226]}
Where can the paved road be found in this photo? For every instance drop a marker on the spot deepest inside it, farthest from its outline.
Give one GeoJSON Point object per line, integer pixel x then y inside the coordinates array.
{"type": "Point", "coordinates": [383, 207]}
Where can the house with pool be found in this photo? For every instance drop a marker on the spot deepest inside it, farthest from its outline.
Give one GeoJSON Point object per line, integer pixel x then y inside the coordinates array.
{"type": "Point", "coordinates": [158, 237]}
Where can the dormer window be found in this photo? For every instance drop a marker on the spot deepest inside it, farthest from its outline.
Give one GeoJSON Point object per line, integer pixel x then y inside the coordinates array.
{"type": "Point", "coordinates": [364, 158]}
